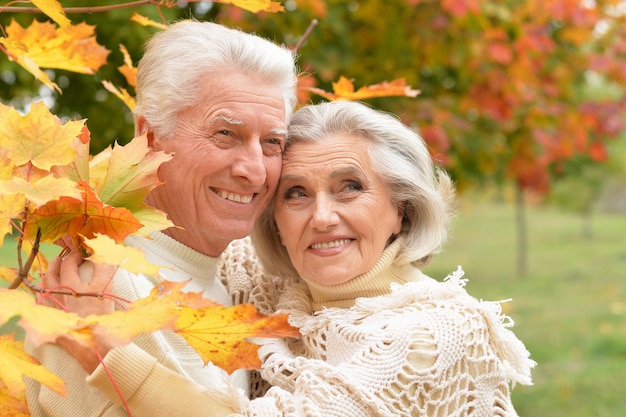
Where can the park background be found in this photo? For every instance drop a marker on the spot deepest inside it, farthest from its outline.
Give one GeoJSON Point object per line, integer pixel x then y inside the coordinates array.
{"type": "Point", "coordinates": [521, 101]}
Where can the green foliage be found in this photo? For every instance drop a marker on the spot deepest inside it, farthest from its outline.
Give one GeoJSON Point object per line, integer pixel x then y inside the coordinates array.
{"type": "Point", "coordinates": [83, 95]}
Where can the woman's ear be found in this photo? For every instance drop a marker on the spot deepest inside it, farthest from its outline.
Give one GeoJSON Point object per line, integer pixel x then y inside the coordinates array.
{"type": "Point", "coordinates": [400, 218]}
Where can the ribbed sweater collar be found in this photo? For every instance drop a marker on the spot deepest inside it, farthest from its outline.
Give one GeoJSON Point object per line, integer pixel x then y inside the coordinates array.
{"type": "Point", "coordinates": [160, 247]}
{"type": "Point", "coordinates": [373, 283]}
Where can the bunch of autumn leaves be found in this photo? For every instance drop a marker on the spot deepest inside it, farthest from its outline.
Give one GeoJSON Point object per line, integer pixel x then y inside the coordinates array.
{"type": "Point", "coordinates": [50, 187]}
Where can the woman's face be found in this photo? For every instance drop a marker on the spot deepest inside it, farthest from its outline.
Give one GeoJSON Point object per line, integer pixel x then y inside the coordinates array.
{"type": "Point", "coordinates": [334, 213]}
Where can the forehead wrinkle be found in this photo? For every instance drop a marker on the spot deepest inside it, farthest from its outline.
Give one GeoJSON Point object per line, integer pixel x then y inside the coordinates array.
{"type": "Point", "coordinates": [348, 170]}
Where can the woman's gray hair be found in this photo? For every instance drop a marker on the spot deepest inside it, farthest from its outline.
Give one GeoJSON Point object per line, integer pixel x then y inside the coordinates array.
{"type": "Point", "coordinates": [178, 57]}
{"type": "Point", "coordinates": [398, 155]}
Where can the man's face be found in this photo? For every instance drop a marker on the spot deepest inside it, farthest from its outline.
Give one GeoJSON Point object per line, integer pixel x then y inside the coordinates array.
{"type": "Point", "coordinates": [228, 156]}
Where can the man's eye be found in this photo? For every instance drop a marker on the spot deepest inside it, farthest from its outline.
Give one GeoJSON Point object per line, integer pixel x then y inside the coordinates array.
{"type": "Point", "coordinates": [273, 146]}
{"type": "Point", "coordinates": [224, 132]}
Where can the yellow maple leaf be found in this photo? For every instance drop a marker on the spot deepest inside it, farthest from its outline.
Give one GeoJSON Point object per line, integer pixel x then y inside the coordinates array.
{"type": "Point", "coordinates": [219, 334]}
{"type": "Point", "coordinates": [256, 6]}
{"type": "Point", "coordinates": [78, 168]}
{"type": "Point", "coordinates": [105, 250]}
{"type": "Point", "coordinates": [157, 311]}
{"type": "Point", "coordinates": [15, 363]}
{"type": "Point", "coordinates": [10, 208]}
{"type": "Point", "coordinates": [145, 21]}
{"type": "Point", "coordinates": [6, 165]}
{"type": "Point", "coordinates": [54, 10]}
{"type": "Point", "coordinates": [12, 405]}
{"type": "Point", "coordinates": [131, 174]}
{"type": "Point", "coordinates": [344, 90]}
{"type": "Point", "coordinates": [42, 190]}
{"type": "Point", "coordinates": [8, 274]}
{"type": "Point", "coordinates": [120, 93]}
{"type": "Point", "coordinates": [43, 324]}
{"type": "Point", "coordinates": [152, 219]}
{"type": "Point", "coordinates": [38, 137]}
{"type": "Point", "coordinates": [128, 70]}
{"type": "Point", "coordinates": [43, 45]}
{"type": "Point", "coordinates": [98, 166]}
{"type": "Point", "coordinates": [216, 332]}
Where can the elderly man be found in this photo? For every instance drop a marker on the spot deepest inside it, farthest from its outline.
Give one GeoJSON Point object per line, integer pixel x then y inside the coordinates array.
{"type": "Point", "coordinates": [219, 99]}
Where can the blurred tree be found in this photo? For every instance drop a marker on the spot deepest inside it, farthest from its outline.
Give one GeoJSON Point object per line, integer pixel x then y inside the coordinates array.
{"type": "Point", "coordinates": [500, 79]}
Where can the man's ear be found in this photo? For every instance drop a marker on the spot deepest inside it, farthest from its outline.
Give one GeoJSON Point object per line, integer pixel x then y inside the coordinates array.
{"type": "Point", "coordinates": [142, 127]}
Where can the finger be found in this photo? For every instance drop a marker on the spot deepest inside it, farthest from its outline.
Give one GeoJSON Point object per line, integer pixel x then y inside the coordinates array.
{"type": "Point", "coordinates": [51, 278]}
{"type": "Point", "coordinates": [68, 272]}
{"type": "Point", "coordinates": [102, 275]}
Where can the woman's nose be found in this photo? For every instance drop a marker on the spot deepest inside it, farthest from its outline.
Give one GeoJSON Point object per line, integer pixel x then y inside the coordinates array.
{"type": "Point", "coordinates": [324, 214]}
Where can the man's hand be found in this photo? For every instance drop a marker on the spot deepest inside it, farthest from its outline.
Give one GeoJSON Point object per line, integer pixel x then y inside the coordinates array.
{"type": "Point", "coordinates": [78, 286]}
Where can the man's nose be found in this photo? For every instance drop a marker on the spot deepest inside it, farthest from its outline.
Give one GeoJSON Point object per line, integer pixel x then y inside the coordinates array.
{"type": "Point", "coordinates": [250, 165]}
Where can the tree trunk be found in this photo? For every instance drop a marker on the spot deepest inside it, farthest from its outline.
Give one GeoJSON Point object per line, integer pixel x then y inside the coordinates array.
{"type": "Point", "coordinates": [521, 226]}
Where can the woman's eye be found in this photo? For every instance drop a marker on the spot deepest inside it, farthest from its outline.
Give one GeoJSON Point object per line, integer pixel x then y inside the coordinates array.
{"type": "Point", "coordinates": [353, 186]}
{"type": "Point", "coordinates": [293, 192]}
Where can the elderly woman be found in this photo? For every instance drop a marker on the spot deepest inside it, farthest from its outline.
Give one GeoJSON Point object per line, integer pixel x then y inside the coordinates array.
{"type": "Point", "coordinates": [359, 209]}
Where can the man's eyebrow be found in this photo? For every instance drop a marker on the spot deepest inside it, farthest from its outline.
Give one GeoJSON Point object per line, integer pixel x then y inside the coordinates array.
{"type": "Point", "coordinates": [229, 120]}
{"type": "Point", "coordinates": [278, 131]}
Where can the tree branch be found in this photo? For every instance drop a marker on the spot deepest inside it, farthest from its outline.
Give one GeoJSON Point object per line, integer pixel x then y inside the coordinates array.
{"type": "Point", "coordinates": [307, 33]}
{"type": "Point", "coordinates": [92, 9]}
{"type": "Point", "coordinates": [24, 270]}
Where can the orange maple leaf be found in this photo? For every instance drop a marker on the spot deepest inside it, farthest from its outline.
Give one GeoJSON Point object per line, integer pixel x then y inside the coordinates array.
{"type": "Point", "coordinates": [344, 90]}
{"type": "Point", "coordinates": [42, 45]}
{"type": "Point", "coordinates": [38, 137]}
{"type": "Point", "coordinates": [73, 217]}
{"type": "Point", "coordinates": [15, 363]}
{"type": "Point", "coordinates": [219, 334]}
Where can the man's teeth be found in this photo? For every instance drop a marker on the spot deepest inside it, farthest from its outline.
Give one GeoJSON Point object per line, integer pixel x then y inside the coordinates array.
{"type": "Point", "coordinates": [332, 244]}
{"type": "Point", "coordinates": [236, 197]}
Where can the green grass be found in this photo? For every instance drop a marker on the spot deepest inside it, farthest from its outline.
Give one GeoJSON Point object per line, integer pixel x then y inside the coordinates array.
{"type": "Point", "coordinates": [569, 309]}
